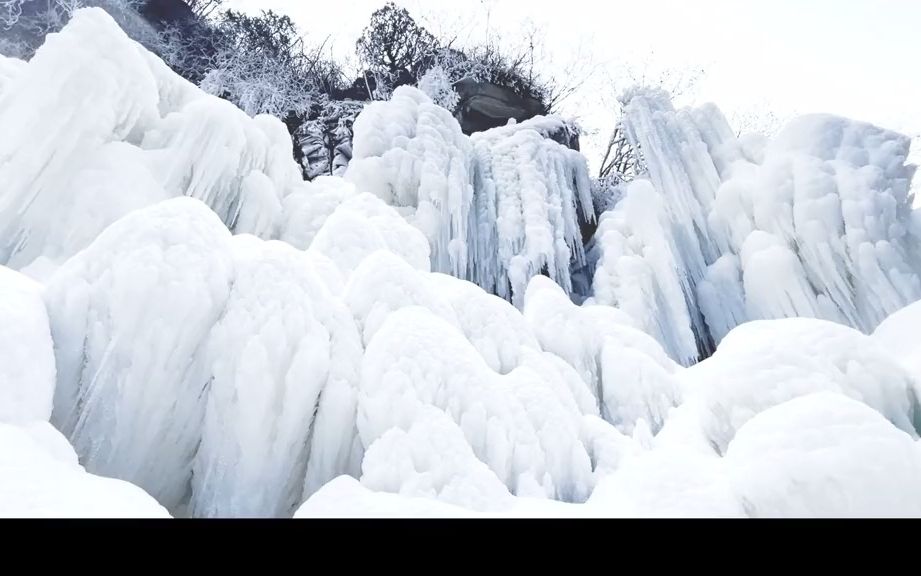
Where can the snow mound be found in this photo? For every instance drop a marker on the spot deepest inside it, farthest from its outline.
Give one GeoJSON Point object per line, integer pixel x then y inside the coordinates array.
{"type": "Point", "coordinates": [27, 369]}
{"type": "Point", "coordinates": [36, 483]}
{"type": "Point", "coordinates": [766, 363]}
{"type": "Point", "coordinates": [346, 497]}
{"type": "Point", "coordinates": [523, 425]}
{"type": "Point", "coordinates": [432, 459]}
{"type": "Point", "coordinates": [628, 372]}
{"type": "Point", "coordinates": [363, 224]}
{"type": "Point", "coordinates": [825, 455]}
{"type": "Point", "coordinates": [898, 334]}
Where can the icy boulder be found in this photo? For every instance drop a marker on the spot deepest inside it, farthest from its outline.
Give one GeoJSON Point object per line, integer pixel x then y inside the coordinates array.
{"type": "Point", "coordinates": [825, 455]}
{"type": "Point", "coordinates": [630, 375]}
{"type": "Point", "coordinates": [94, 126]}
{"type": "Point", "coordinates": [362, 224]}
{"type": "Point", "coordinates": [306, 209]}
{"type": "Point", "coordinates": [38, 483]}
{"type": "Point", "coordinates": [762, 364]}
{"type": "Point", "coordinates": [384, 283]}
{"type": "Point", "coordinates": [898, 335]}
{"type": "Point", "coordinates": [128, 316]}
{"type": "Point", "coordinates": [525, 426]}
{"type": "Point", "coordinates": [27, 370]}
{"type": "Point", "coordinates": [432, 459]}
{"type": "Point", "coordinates": [496, 329]}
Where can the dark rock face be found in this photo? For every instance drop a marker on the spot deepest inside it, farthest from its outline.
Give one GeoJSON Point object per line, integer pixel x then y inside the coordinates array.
{"type": "Point", "coordinates": [566, 136]}
{"type": "Point", "coordinates": [163, 13]}
{"type": "Point", "coordinates": [483, 106]}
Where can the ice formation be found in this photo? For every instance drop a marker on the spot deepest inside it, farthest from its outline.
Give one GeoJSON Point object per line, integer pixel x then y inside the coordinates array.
{"type": "Point", "coordinates": [816, 222]}
{"type": "Point", "coordinates": [94, 126]}
{"type": "Point", "coordinates": [403, 341]}
{"type": "Point", "coordinates": [276, 347]}
{"type": "Point", "coordinates": [497, 208]}
{"type": "Point", "coordinates": [128, 317]}
{"type": "Point", "coordinates": [412, 154]}
{"type": "Point", "coordinates": [27, 369]}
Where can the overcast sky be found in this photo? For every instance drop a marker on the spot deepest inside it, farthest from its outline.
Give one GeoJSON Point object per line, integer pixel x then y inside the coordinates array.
{"type": "Point", "coordinates": [858, 58]}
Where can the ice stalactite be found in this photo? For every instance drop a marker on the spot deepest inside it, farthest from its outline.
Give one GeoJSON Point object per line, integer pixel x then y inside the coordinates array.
{"type": "Point", "coordinates": [816, 222]}
{"type": "Point", "coordinates": [498, 208]}
{"type": "Point", "coordinates": [94, 126]}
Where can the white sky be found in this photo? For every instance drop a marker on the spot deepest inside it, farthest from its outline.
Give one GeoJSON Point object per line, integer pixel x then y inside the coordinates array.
{"type": "Point", "coordinates": [857, 58]}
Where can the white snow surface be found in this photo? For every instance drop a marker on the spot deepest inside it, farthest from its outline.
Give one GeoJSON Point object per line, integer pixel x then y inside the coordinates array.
{"type": "Point", "coordinates": [38, 483]}
{"type": "Point", "coordinates": [27, 369]}
{"type": "Point", "coordinates": [233, 341]}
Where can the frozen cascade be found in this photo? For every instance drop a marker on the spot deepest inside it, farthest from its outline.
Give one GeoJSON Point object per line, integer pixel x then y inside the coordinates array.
{"type": "Point", "coordinates": [128, 316]}
{"type": "Point", "coordinates": [530, 196]}
{"type": "Point", "coordinates": [816, 222]}
{"type": "Point", "coordinates": [498, 208]}
{"type": "Point", "coordinates": [95, 126]}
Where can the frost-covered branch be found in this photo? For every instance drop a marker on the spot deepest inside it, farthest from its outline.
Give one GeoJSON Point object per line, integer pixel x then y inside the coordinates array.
{"type": "Point", "coordinates": [204, 8]}
{"type": "Point", "coordinates": [10, 11]}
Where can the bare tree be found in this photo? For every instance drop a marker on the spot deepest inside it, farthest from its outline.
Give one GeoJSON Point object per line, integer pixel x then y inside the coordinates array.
{"type": "Point", "coordinates": [259, 63]}
{"type": "Point", "coordinates": [760, 121]}
{"type": "Point", "coordinates": [621, 162]}
{"type": "Point", "coordinates": [393, 43]}
{"type": "Point", "coordinates": [204, 8]}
